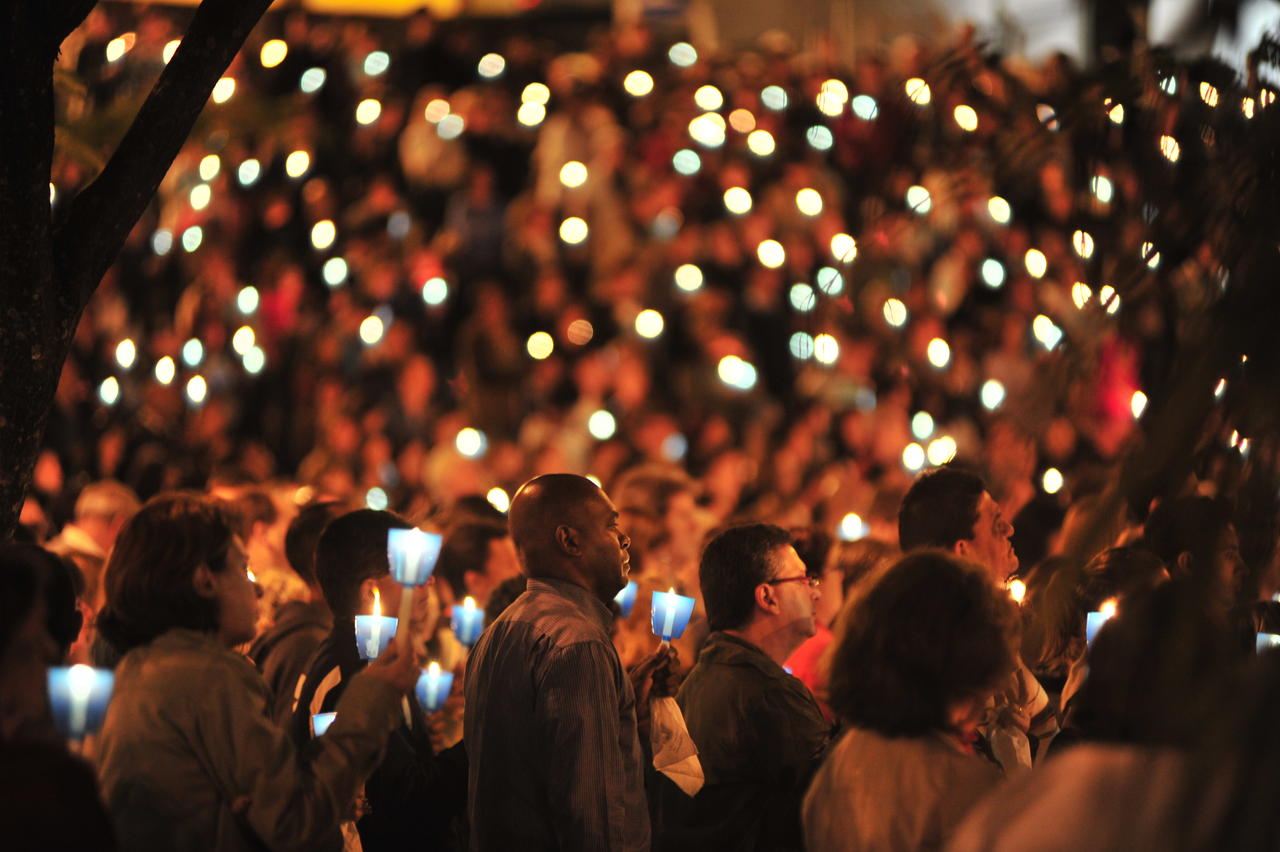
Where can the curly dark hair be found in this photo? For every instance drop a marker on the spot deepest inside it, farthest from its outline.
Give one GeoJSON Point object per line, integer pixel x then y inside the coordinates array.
{"type": "Point", "coordinates": [932, 631]}
{"type": "Point", "coordinates": [148, 575]}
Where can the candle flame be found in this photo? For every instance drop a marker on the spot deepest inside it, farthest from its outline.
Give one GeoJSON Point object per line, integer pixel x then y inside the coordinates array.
{"type": "Point", "coordinates": [469, 603]}
{"type": "Point", "coordinates": [80, 682]}
{"type": "Point", "coordinates": [377, 602]}
{"type": "Point", "coordinates": [1108, 607]}
{"type": "Point", "coordinates": [671, 590]}
{"type": "Point", "coordinates": [1017, 590]}
{"type": "Point", "coordinates": [433, 670]}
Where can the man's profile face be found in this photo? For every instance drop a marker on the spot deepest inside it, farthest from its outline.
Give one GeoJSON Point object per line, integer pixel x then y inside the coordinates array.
{"type": "Point", "coordinates": [990, 545]}
{"type": "Point", "coordinates": [797, 599]}
{"type": "Point", "coordinates": [604, 546]}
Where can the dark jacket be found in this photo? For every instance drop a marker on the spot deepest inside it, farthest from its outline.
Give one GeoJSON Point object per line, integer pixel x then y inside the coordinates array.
{"type": "Point", "coordinates": [760, 738]}
{"type": "Point", "coordinates": [414, 795]}
{"type": "Point", "coordinates": [282, 653]}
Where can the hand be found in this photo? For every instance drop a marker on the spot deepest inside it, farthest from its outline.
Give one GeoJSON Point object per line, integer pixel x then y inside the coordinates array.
{"type": "Point", "coordinates": [397, 668]}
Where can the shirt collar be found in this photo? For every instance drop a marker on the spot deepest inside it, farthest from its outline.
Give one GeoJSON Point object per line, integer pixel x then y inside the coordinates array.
{"type": "Point", "coordinates": [584, 599]}
{"type": "Point", "coordinates": [726, 649]}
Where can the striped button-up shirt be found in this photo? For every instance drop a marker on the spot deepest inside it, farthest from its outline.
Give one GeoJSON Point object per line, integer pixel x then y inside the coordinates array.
{"type": "Point", "coordinates": [555, 762]}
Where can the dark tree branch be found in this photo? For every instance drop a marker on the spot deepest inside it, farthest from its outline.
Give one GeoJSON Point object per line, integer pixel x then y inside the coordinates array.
{"type": "Point", "coordinates": [102, 215]}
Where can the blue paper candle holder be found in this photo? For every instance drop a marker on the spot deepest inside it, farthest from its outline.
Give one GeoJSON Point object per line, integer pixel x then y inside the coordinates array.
{"type": "Point", "coordinates": [1268, 641]}
{"type": "Point", "coordinates": [670, 614]}
{"type": "Point", "coordinates": [373, 634]}
{"type": "Point", "coordinates": [433, 688]}
{"type": "Point", "coordinates": [468, 622]}
{"type": "Point", "coordinates": [412, 555]}
{"type": "Point", "coordinates": [320, 723]}
{"type": "Point", "coordinates": [626, 598]}
{"type": "Point", "coordinates": [1093, 623]}
{"type": "Point", "coordinates": [78, 698]}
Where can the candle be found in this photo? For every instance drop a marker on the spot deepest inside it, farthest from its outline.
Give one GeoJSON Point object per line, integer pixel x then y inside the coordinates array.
{"type": "Point", "coordinates": [1267, 641]}
{"type": "Point", "coordinates": [627, 598]}
{"type": "Point", "coordinates": [412, 554]}
{"type": "Point", "coordinates": [433, 687]}
{"type": "Point", "coordinates": [320, 723]}
{"type": "Point", "coordinates": [670, 614]}
{"type": "Point", "coordinates": [1017, 591]}
{"type": "Point", "coordinates": [1095, 620]}
{"type": "Point", "coordinates": [374, 632]}
{"type": "Point", "coordinates": [467, 622]}
{"type": "Point", "coordinates": [78, 698]}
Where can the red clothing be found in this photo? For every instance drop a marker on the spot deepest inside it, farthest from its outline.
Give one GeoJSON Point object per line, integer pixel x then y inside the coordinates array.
{"type": "Point", "coordinates": [803, 664]}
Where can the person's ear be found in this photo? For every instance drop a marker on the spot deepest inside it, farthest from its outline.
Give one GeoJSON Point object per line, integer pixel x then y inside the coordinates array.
{"type": "Point", "coordinates": [365, 592]}
{"type": "Point", "coordinates": [204, 581]}
{"type": "Point", "coordinates": [767, 598]}
{"type": "Point", "coordinates": [567, 539]}
{"type": "Point", "coordinates": [1183, 563]}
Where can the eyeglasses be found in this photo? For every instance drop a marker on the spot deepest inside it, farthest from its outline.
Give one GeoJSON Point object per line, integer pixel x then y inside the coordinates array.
{"type": "Point", "coordinates": [813, 582]}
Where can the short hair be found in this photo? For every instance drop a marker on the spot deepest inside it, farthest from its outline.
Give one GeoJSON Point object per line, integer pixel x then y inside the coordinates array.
{"type": "Point", "coordinates": [503, 596]}
{"type": "Point", "coordinates": [939, 509]}
{"type": "Point", "coordinates": [149, 572]}
{"type": "Point", "coordinates": [106, 498]}
{"type": "Point", "coordinates": [465, 549]}
{"type": "Point", "coordinates": [733, 564]}
{"type": "Point", "coordinates": [813, 545]}
{"type": "Point", "coordinates": [352, 549]}
{"type": "Point", "coordinates": [932, 631]}
{"type": "Point", "coordinates": [252, 507]}
{"type": "Point", "coordinates": [303, 534]}
{"type": "Point", "coordinates": [1192, 525]}
{"type": "Point", "coordinates": [58, 578]}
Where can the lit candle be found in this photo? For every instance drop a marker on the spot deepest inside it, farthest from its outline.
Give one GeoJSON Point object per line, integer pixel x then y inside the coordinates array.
{"type": "Point", "coordinates": [374, 632]}
{"type": "Point", "coordinates": [433, 687]}
{"type": "Point", "coordinates": [412, 554]}
{"type": "Point", "coordinates": [626, 598]}
{"type": "Point", "coordinates": [1267, 641]}
{"type": "Point", "coordinates": [1095, 620]}
{"type": "Point", "coordinates": [320, 723]}
{"type": "Point", "coordinates": [78, 698]}
{"type": "Point", "coordinates": [467, 622]}
{"type": "Point", "coordinates": [1017, 591]}
{"type": "Point", "coordinates": [670, 614]}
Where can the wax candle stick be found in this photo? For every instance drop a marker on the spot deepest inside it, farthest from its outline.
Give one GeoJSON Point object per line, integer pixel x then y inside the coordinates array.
{"type": "Point", "coordinates": [468, 622]}
{"type": "Point", "coordinates": [78, 698]}
{"type": "Point", "coordinates": [412, 555]}
{"type": "Point", "coordinates": [627, 598]}
{"type": "Point", "coordinates": [433, 687]}
{"type": "Point", "coordinates": [1094, 621]}
{"type": "Point", "coordinates": [374, 632]}
{"type": "Point", "coordinates": [320, 723]}
{"type": "Point", "coordinates": [670, 614]}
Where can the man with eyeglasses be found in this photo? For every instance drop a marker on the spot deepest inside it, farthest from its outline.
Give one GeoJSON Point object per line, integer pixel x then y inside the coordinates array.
{"type": "Point", "coordinates": [759, 732]}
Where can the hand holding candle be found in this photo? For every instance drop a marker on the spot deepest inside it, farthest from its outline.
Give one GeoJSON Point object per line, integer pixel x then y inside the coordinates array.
{"type": "Point", "coordinates": [433, 687]}
{"type": "Point", "coordinates": [468, 622]}
{"type": "Point", "coordinates": [670, 614]}
{"type": "Point", "coordinates": [373, 632]}
{"type": "Point", "coordinates": [412, 554]}
{"type": "Point", "coordinates": [78, 698]}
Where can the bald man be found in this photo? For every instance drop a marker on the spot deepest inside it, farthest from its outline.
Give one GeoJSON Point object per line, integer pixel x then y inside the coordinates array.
{"type": "Point", "coordinates": [555, 762]}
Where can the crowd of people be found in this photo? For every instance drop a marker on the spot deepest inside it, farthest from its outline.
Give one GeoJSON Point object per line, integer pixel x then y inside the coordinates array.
{"type": "Point", "coordinates": [599, 308]}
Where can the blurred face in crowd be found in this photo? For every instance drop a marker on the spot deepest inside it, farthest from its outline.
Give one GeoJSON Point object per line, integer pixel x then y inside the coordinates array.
{"type": "Point", "coordinates": [237, 597]}
{"type": "Point", "coordinates": [795, 597]}
{"type": "Point", "coordinates": [605, 561]}
{"type": "Point", "coordinates": [990, 545]}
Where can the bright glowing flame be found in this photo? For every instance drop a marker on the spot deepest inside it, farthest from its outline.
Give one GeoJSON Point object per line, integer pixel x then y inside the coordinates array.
{"type": "Point", "coordinates": [922, 425]}
{"type": "Point", "coordinates": [1102, 189]}
{"type": "Point", "coordinates": [499, 500]}
{"type": "Point", "coordinates": [1081, 294]}
{"type": "Point", "coordinates": [809, 201]}
{"type": "Point", "coordinates": [737, 200]}
{"type": "Point", "coordinates": [742, 121]}
{"type": "Point", "coordinates": [992, 394]}
{"type": "Point", "coordinates": [1082, 242]}
{"type": "Point", "coordinates": [826, 349]}
{"type": "Point", "coordinates": [852, 528]}
{"type": "Point", "coordinates": [197, 389]}
{"type": "Point", "coordinates": [999, 209]}
{"type": "Point", "coordinates": [1108, 608]}
{"type": "Point", "coordinates": [1046, 332]}
{"type": "Point", "coordinates": [535, 93]}
{"type": "Point", "coordinates": [1017, 591]}
{"type": "Point", "coordinates": [119, 46]}
{"type": "Point", "coordinates": [802, 297]}
{"type": "Point", "coordinates": [1052, 481]}
{"type": "Point", "coordinates": [638, 83]}
{"type": "Point", "coordinates": [297, 164]}
{"type": "Point", "coordinates": [895, 312]}
{"type": "Point", "coordinates": [126, 353]}
{"type": "Point", "coordinates": [166, 370]}
{"type": "Point", "coordinates": [967, 117]}
{"type": "Point", "coordinates": [471, 442]}
{"type": "Point", "coordinates": [736, 373]}
{"type": "Point", "coordinates": [649, 323]}
{"type": "Point", "coordinates": [1116, 114]}
{"type": "Point", "coordinates": [323, 233]}
{"type": "Point", "coordinates": [1037, 264]}
{"type": "Point", "coordinates": [573, 174]}
{"type": "Point", "coordinates": [682, 54]}
{"type": "Point", "coordinates": [224, 89]}
{"type": "Point", "coordinates": [1209, 94]}
{"type": "Point", "coordinates": [913, 457]}
{"type": "Point", "coordinates": [941, 450]}
{"type": "Point", "coordinates": [273, 53]}
{"type": "Point", "coordinates": [372, 328]}
{"type": "Point", "coordinates": [200, 196]}
{"type": "Point", "coordinates": [919, 200]}
{"type": "Point", "coordinates": [601, 425]}
{"type": "Point", "coordinates": [865, 107]}
{"type": "Point", "coordinates": [210, 165]}
{"type": "Point", "coordinates": [192, 352]}
{"type": "Point", "coordinates": [844, 248]}
{"type": "Point", "coordinates": [242, 341]}
{"type": "Point", "coordinates": [573, 230]}
{"type": "Point", "coordinates": [938, 352]}
{"type": "Point", "coordinates": [170, 48]}
{"type": "Point", "coordinates": [491, 65]}
{"type": "Point", "coordinates": [774, 98]}
{"type": "Point", "coordinates": [1170, 148]}
{"type": "Point", "coordinates": [376, 63]}
{"type": "Point", "coordinates": [531, 114]}
{"type": "Point", "coordinates": [761, 143]}
{"type": "Point", "coordinates": [540, 345]}
{"type": "Point", "coordinates": [368, 111]}
{"type": "Point", "coordinates": [708, 98]}
{"type": "Point", "coordinates": [993, 273]}
{"type": "Point", "coordinates": [377, 601]}
{"type": "Point", "coordinates": [771, 253]}
{"type": "Point", "coordinates": [1138, 404]}
{"type": "Point", "coordinates": [435, 291]}
{"type": "Point", "coordinates": [109, 390]}
{"type": "Point", "coordinates": [918, 91]}
{"type": "Point", "coordinates": [688, 278]}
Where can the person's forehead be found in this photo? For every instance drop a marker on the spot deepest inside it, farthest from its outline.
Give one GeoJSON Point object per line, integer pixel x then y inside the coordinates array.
{"type": "Point", "coordinates": [987, 506]}
{"type": "Point", "coordinates": [788, 561]}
